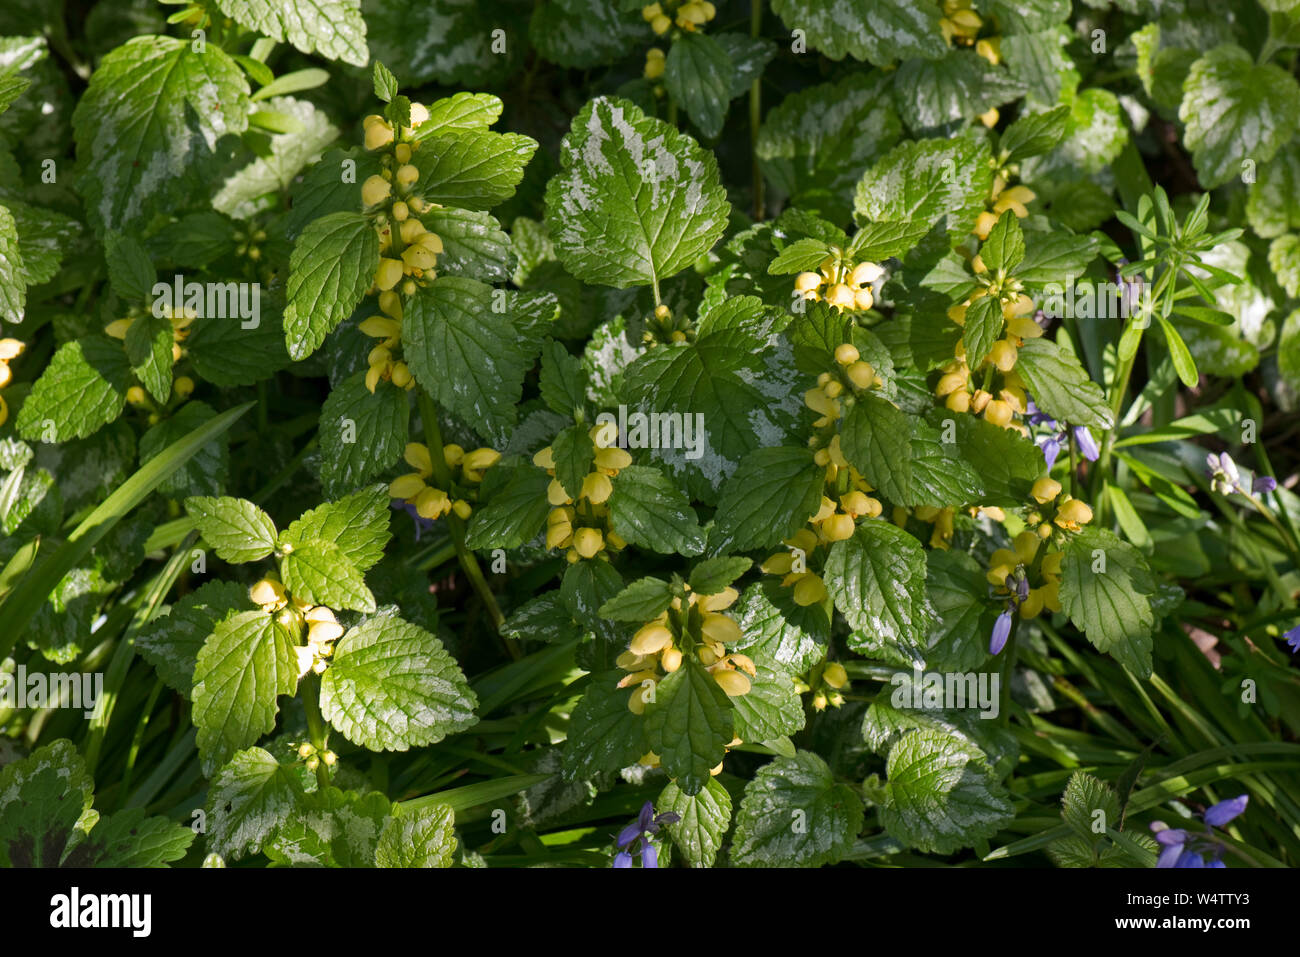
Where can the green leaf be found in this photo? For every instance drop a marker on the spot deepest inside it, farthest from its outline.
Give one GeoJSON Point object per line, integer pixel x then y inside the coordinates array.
{"type": "Point", "coordinates": [249, 799]}
{"type": "Point", "coordinates": [332, 828]}
{"type": "Point", "coordinates": [171, 642]}
{"type": "Point", "coordinates": [879, 31]}
{"type": "Point", "coordinates": [149, 350]}
{"type": "Point", "coordinates": [773, 708]}
{"type": "Point", "coordinates": [1236, 110]}
{"type": "Point", "coordinates": [467, 347]}
{"type": "Point", "coordinates": [817, 142]}
{"type": "Point", "coordinates": [318, 571]}
{"type": "Point", "coordinates": [385, 83]}
{"type": "Point", "coordinates": [930, 94]}
{"type": "Point", "coordinates": [471, 169]}
{"type": "Point", "coordinates": [357, 524]}
{"type": "Point", "coordinates": [983, 328]}
{"type": "Point", "coordinates": [925, 182]}
{"type": "Point", "coordinates": [13, 281]}
{"type": "Point", "coordinates": [236, 529]}
{"type": "Point", "coordinates": [698, 74]}
{"type": "Point", "coordinates": [515, 514]}
{"type": "Point", "coordinates": [1273, 200]}
{"type": "Point", "coordinates": [770, 497]}
{"type": "Point", "coordinates": [361, 433]}
{"type": "Point", "coordinates": [703, 820]}
{"type": "Point", "coordinates": [642, 601]}
{"type": "Point", "coordinates": [573, 450]}
{"type": "Point", "coordinates": [1105, 589]}
{"type": "Point", "coordinates": [689, 724]}
{"type": "Point", "coordinates": [333, 29]}
{"type": "Point", "coordinates": [473, 244]}
{"type": "Point", "coordinates": [942, 794]}
{"type": "Point", "coordinates": [958, 592]}
{"type": "Point", "coordinates": [460, 111]}
{"type": "Point", "coordinates": [207, 471]}
{"type": "Point", "coordinates": [130, 270]}
{"type": "Point", "coordinates": [794, 814]}
{"type": "Point", "coordinates": [445, 41]}
{"type": "Point", "coordinates": [1061, 387]}
{"type": "Point", "coordinates": [332, 265]}
{"type": "Point", "coordinates": [42, 797]}
{"type": "Point", "coordinates": [391, 686]}
{"type": "Point", "coordinates": [648, 509]}
{"type": "Point", "coordinates": [562, 382]}
{"type": "Point", "coordinates": [1005, 247]}
{"type": "Point", "coordinates": [244, 665]}
{"type": "Point", "coordinates": [604, 734]}
{"type": "Point", "coordinates": [635, 201]}
{"type": "Point", "coordinates": [713, 575]}
{"type": "Point", "coordinates": [542, 619]}
{"type": "Point", "coordinates": [877, 581]}
{"type": "Point", "coordinates": [83, 388]}
{"type": "Point", "coordinates": [148, 126]}
{"type": "Point", "coordinates": [1284, 260]}
{"type": "Point", "coordinates": [130, 839]}
{"type": "Point", "coordinates": [1056, 258]}
{"type": "Point", "coordinates": [1084, 795]}
{"type": "Point", "coordinates": [421, 837]}
{"type": "Point", "coordinates": [1034, 133]}
{"type": "Point", "coordinates": [800, 256]}
{"type": "Point", "coordinates": [773, 626]}
{"type": "Point", "coordinates": [261, 184]}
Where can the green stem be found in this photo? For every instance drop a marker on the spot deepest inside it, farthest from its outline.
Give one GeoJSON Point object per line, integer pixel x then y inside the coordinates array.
{"type": "Point", "coordinates": [456, 525]}
{"type": "Point", "coordinates": [309, 691]}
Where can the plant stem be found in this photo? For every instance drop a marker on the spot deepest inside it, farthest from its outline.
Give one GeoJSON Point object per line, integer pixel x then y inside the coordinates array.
{"type": "Point", "coordinates": [455, 524]}
{"type": "Point", "coordinates": [309, 690]}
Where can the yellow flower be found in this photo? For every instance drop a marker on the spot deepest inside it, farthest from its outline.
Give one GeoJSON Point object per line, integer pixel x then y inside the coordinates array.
{"type": "Point", "coordinates": [1045, 489]}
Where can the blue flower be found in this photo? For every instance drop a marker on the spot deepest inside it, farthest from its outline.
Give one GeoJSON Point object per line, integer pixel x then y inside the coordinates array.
{"type": "Point", "coordinates": [1263, 484]}
{"type": "Point", "coordinates": [1056, 437]}
{"type": "Point", "coordinates": [1174, 842]}
{"type": "Point", "coordinates": [639, 832]}
{"type": "Point", "coordinates": [1293, 639]}
{"type": "Point", "coordinates": [1224, 477]}
{"type": "Point", "coordinates": [1001, 632]}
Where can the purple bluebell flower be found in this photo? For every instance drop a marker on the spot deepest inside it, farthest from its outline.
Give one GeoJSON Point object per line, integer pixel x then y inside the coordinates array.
{"type": "Point", "coordinates": [1181, 848]}
{"type": "Point", "coordinates": [1223, 812]}
{"type": "Point", "coordinates": [1263, 484]}
{"type": "Point", "coordinates": [636, 837]}
{"type": "Point", "coordinates": [1088, 447]}
{"type": "Point", "coordinates": [1056, 437]}
{"type": "Point", "coordinates": [1293, 639]}
{"type": "Point", "coordinates": [1001, 632]}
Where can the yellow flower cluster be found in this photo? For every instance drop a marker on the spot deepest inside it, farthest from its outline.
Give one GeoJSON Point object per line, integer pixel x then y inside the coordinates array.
{"type": "Point", "coordinates": [688, 16]}
{"type": "Point", "coordinates": [846, 289]}
{"type": "Point", "coordinates": [832, 681]}
{"type": "Point", "coordinates": [809, 589]}
{"type": "Point", "coordinates": [1002, 198]}
{"type": "Point", "coordinates": [1008, 565]}
{"type": "Point", "coordinates": [956, 385]}
{"type": "Point", "coordinates": [10, 349]}
{"type": "Point", "coordinates": [323, 628]}
{"type": "Point", "coordinates": [582, 526]}
{"type": "Point", "coordinates": [1071, 514]}
{"type": "Point", "coordinates": [408, 250]}
{"type": "Point", "coordinates": [430, 502]}
{"type": "Point", "coordinates": [694, 626]}
{"type": "Point", "coordinates": [940, 518]}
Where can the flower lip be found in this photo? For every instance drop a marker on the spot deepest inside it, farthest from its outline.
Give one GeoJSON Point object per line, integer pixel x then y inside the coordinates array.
{"type": "Point", "coordinates": [1223, 812]}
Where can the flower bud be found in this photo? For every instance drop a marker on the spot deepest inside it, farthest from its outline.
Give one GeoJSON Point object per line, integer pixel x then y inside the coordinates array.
{"type": "Point", "coordinates": [838, 527]}
{"type": "Point", "coordinates": [651, 639]}
{"type": "Point", "coordinates": [835, 675]}
{"type": "Point", "coordinates": [671, 659]}
{"type": "Point", "coordinates": [406, 176]}
{"type": "Point", "coordinates": [431, 503]}
{"type": "Point", "coordinates": [389, 273]}
{"type": "Point", "coordinates": [720, 628]}
{"type": "Point", "coordinates": [861, 374]}
{"type": "Point", "coordinates": [1045, 489]}
{"type": "Point", "coordinates": [378, 132]}
{"type": "Point", "coordinates": [375, 190]}
{"type": "Point", "coordinates": [613, 458]}
{"type": "Point", "coordinates": [809, 590]}
{"type": "Point", "coordinates": [732, 682]}
{"type": "Point", "coordinates": [597, 488]}
{"type": "Point", "coordinates": [1073, 513]}
{"type": "Point", "coordinates": [266, 592]}
{"type": "Point", "coordinates": [588, 541]}
{"type": "Point", "coordinates": [183, 386]}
